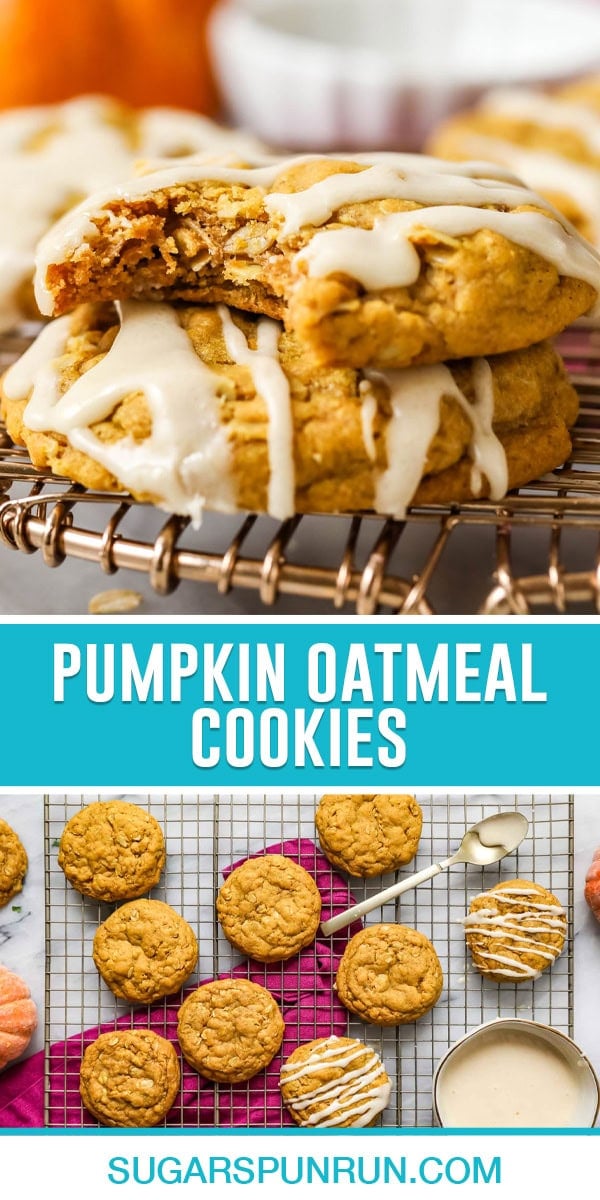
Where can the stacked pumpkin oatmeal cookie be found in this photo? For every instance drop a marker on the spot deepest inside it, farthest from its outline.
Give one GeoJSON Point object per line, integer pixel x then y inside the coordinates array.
{"type": "Point", "coordinates": [551, 139]}
{"type": "Point", "coordinates": [307, 334]}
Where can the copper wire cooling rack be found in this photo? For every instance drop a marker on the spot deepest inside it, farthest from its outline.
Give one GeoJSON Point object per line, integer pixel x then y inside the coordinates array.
{"type": "Point", "coordinates": [536, 552]}
{"type": "Point", "coordinates": [204, 835]}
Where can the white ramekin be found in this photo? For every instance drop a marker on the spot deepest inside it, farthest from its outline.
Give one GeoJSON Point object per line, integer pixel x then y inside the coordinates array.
{"type": "Point", "coordinates": [379, 74]}
{"type": "Point", "coordinates": [588, 1084]}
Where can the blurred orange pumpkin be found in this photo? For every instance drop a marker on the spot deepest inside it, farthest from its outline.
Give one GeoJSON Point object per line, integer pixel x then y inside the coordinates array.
{"type": "Point", "coordinates": [143, 51]}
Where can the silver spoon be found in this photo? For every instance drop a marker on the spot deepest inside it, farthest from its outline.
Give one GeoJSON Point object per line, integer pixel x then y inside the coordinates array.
{"type": "Point", "coordinates": [486, 842]}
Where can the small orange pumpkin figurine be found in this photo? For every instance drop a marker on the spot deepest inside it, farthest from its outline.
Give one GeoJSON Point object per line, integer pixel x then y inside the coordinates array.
{"type": "Point", "coordinates": [18, 1016]}
{"type": "Point", "coordinates": [142, 51]}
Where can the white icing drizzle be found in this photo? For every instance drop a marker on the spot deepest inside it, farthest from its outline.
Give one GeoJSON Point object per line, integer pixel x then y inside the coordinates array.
{"type": "Point", "coordinates": [271, 383]}
{"type": "Point", "coordinates": [314, 205]}
{"type": "Point", "coordinates": [173, 131]}
{"type": "Point", "coordinates": [415, 397]}
{"type": "Point", "coordinates": [368, 412]}
{"type": "Point", "coordinates": [82, 149]}
{"type": "Point", "coordinates": [382, 257]}
{"type": "Point", "coordinates": [546, 172]}
{"type": "Point", "coordinates": [353, 1095]}
{"type": "Point", "coordinates": [508, 930]}
{"type": "Point", "coordinates": [184, 462]}
{"type": "Point", "coordinates": [540, 109]}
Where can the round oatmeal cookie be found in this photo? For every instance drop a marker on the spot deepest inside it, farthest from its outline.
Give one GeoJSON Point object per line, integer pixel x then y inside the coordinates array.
{"type": "Point", "coordinates": [515, 930]}
{"type": "Point", "coordinates": [334, 1081]}
{"type": "Point", "coordinates": [129, 1077]}
{"type": "Point", "coordinates": [145, 950]}
{"type": "Point", "coordinates": [370, 834]}
{"type": "Point", "coordinates": [389, 975]}
{"type": "Point", "coordinates": [269, 908]}
{"type": "Point", "coordinates": [112, 850]}
{"type": "Point", "coordinates": [13, 863]}
{"type": "Point", "coordinates": [230, 1029]}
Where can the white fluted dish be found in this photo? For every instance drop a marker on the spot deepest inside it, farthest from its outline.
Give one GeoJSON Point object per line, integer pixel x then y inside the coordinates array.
{"type": "Point", "coordinates": [351, 74]}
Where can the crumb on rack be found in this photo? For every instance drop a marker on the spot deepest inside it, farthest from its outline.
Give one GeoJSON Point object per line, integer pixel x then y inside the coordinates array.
{"type": "Point", "coordinates": [114, 601]}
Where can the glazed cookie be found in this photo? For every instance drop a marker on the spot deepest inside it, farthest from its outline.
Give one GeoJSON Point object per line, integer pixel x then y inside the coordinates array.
{"type": "Point", "coordinates": [515, 931]}
{"type": "Point", "coordinates": [284, 435]}
{"type": "Point", "coordinates": [269, 908]}
{"type": "Point", "coordinates": [369, 835]}
{"type": "Point", "coordinates": [381, 262]}
{"type": "Point", "coordinates": [389, 975]}
{"type": "Point", "coordinates": [129, 1077]}
{"type": "Point", "coordinates": [549, 141]}
{"type": "Point", "coordinates": [145, 950]}
{"type": "Point", "coordinates": [112, 850]}
{"type": "Point", "coordinates": [13, 863]}
{"type": "Point", "coordinates": [230, 1029]}
{"type": "Point", "coordinates": [52, 155]}
{"type": "Point", "coordinates": [335, 1081]}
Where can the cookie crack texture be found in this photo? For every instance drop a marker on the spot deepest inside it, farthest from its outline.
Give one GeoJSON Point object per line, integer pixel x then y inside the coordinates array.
{"type": "Point", "coordinates": [269, 908]}
{"type": "Point", "coordinates": [230, 1029]}
{"type": "Point", "coordinates": [389, 975]}
{"type": "Point", "coordinates": [112, 850]}
{"type": "Point", "coordinates": [129, 1077]}
{"type": "Point", "coordinates": [144, 951]}
{"type": "Point", "coordinates": [367, 835]}
{"type": "Point", "coordinates": [13, 863]}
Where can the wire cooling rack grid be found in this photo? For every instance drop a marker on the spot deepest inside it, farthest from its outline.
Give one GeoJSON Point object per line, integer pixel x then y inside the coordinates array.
{"type": "Point", "coordinates": [536, 552]}
{"type": "Point", "coordinates": [203, 836]}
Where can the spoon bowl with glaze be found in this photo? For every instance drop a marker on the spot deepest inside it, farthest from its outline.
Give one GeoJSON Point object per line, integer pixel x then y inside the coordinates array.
{"type": "Point", "coordinates": [487, 842]}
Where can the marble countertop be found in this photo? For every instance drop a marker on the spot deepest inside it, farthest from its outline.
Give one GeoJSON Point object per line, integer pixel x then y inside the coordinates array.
{"type": "Point", "coordinates": [22, 927]}
{"type": "Point", "coordinates": [22, 924]}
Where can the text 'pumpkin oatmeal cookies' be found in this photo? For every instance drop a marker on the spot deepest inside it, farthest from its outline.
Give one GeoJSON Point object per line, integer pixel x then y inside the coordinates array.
{"type": "Point", "coordinates": [389, 975]}
{"type": "Point", "coordinates": [145, 950]}
{"type": "Point", "coordinates": [13, 863]}
{"type": "Point", "coordinates": [515, 931]}
{"type": "Point", "coordinates": [269, 908]}
{"type": "Point", "coordinates": [334, 1081]}
{"type": "Point", "coordinates": [384, 262]}
{"type": "Point", "coordinates": [368, 835]}
{"type": "Point", "coordinates": [112, 850]}
{"type": "Point", "coordinates": [129, 1077]}
{"type": "Point", "coordinates": [52, 156]}
{"type": "Point", "coordinates": [230, 1029]}
{"type": "Point", "coordinates": [193, 407]}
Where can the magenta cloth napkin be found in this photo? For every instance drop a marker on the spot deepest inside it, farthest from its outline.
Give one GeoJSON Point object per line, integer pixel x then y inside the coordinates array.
{"type": "Point", "coordinates": [302, 987]}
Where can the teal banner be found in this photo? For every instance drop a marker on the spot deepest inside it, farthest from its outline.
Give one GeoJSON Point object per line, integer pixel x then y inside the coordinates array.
{"type": "Point", "coordinates": [261, 704]}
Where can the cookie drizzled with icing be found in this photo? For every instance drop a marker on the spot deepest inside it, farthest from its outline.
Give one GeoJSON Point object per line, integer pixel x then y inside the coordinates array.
{"type": "Point", "coordinates": [455, 200]}
{"type": "Point", "coordinates": [53, 155]}
{"type": "Point", "coordinates": [515, 931]}
{"type": "Point", "coordinates": [341, 1082]}
{"type": "Point", "coordinates": [185, 464]}
{"type": "Point", "coordinates": [540, 109]}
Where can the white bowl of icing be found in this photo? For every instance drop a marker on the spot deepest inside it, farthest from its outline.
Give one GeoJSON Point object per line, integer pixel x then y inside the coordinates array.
{"type": "Point", "coordinates": [346, 74]}
{"type": "Point", "coordinates": [515, 1073]}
